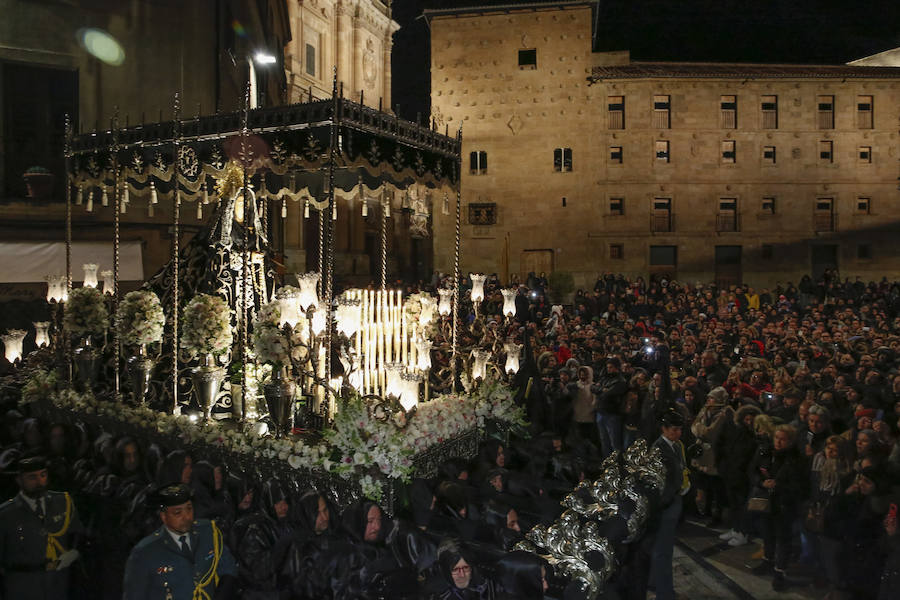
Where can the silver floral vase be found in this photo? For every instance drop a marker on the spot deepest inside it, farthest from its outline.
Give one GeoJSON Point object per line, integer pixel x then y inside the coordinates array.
{"type": "Point", "coordinates": [207, 380]}
{"type": "Point", "coordinates": [279, 395]}
{"type": "Point", "coordinates": [140, 367]}
{"type": "Point", "coordinates": [86, 363]}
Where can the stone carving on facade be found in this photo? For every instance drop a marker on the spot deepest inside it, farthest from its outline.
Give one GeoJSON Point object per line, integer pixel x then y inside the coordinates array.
{"type": "Point", "coordinates": [515, 124]}
{"type": "Point", "coordinates": [370, 64]}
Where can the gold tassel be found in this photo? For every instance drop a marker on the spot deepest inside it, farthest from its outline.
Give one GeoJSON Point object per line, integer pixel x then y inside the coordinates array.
{"type": "Point", "coordinates": [153, 197]}
{"type": "Point", "coordinates": [104, 197]}
{"type": "Point", "coordinates": [90, 201]}
{"type": "Point", "coordinates": [78, 196]}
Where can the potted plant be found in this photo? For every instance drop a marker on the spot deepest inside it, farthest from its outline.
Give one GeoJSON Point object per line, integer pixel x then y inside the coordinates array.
{"type": "Point", "coordinates": [38, 182]}
{"type": "Point", "coordinates": [206, 332]}
{"type": "Point", "coordinates": [86, 316]}
{"type": "Point", "coordinates": [141, 321]}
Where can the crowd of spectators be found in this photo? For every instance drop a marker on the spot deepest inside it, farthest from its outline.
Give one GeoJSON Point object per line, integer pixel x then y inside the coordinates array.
{"type": "Point", "coordinates": [790, 396]}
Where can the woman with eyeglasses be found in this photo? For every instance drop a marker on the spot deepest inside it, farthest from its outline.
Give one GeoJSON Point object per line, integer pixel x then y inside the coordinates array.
{"type": "Point", "coordinates": [457, 577]}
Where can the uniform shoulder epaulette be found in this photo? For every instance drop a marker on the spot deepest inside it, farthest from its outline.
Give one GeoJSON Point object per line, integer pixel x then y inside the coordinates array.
{"type": "Point", "coordinates": [153, 538]}
{"type": "Point", "coordinates": [6, 505]}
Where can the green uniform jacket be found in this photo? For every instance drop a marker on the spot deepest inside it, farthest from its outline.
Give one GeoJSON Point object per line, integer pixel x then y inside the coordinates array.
{"type": "Point", "coordinates": [158, 570]}
{"type": "Point", "coordinates": [23, 548]}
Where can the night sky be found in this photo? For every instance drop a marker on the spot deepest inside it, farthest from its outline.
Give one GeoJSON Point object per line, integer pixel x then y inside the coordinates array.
{"type": "Point", "coordinates": [770, 31]}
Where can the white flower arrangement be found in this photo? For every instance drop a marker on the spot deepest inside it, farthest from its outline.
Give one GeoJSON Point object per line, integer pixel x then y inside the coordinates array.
{"type": "Point", "coordinates": [274, 344]}
{"type": "Point", "coordinates": [361, 447]}
{"type": "Point", "coordinates": [271, 345]}
{"type": "Point", "coordinates": [206, 327]}
{"type": "Point", "coordinates": [141, 318]}
{"type": "Point", "coordinates": [86, 312]}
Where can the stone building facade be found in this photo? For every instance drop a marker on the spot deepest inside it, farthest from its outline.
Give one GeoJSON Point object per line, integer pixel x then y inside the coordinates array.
{"type": "Point", "coordinates": [353, 36]}
{"type": "Point", "coordinates": [588, 162]}
{"type": "Point", "coordinates": [49, 68]}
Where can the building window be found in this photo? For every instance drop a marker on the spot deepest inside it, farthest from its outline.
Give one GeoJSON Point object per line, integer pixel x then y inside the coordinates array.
{"type": "Point", "coordinates": [483, 213]}
{"type": "Point", "coordinates": [478, 162]}
{"type": "Point", "coordinates": [823, 218]}
{"type": "Point", "coordinates": [865, 154]}
{"type": "Point", "coordinates": [562, 159]}
{"type": "Point", "coordinates": [826, 151]}
{"type": "Point", "coordinates": [863, 205]}
{"type": "Point", "coordinates": [528, 59]}
{"type": "Point", "coordinates": [662, 151]}
{"type": "Point", "coordinates": [768, 205]}
{"type": "Point", "coordinates": [616, 251]}
{"type": "Point", "coordinates": [767, 252]}
{"type": "Point", "coordinates": [664, 256]}
{"type": "Point", "coordinates": [769, 108]}
{"type": "Point", "coordinates": [727, 219]}
{"type": "Point", "coordinates": [825, 112]}
{"type": "Point", "coordinates": [864, 252]}
{"type": "Point", "coordinates": [617, 206]}
{"type": "Point", "coordinates": [616, 115]}
{"type": "Point", "coordinates": [310, 60]}
{"type": "Point", "coordinates": [661, 112]}
{"type": "Point", "coordinates": [311, 45]}
{"type": "Point", "coordinates": [768, 155]}
{"type": "Point", "coordinates": [729, 112]}
{"type": "Point", "coordinates": [864, 112]}
{"type": "Point", "coordinates": [615, 154]}
{"type": "Point", "coordinates": [728, 152]}
{"type": "Point", "coordinates": [661, 218]}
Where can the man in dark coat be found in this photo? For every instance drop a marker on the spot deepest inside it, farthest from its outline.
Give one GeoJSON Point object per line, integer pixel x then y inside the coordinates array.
{"type": "Point", "coordinates": [37, 536]}
{"type": "Point", "coordinates": [610, 401]}
{"type": "Point", "coordinates": [677, 484]}
{"type": "Point", "coordinates": [184, 558]}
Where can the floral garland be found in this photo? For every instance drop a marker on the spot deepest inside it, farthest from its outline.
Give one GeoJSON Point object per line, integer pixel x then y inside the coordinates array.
{"type": "Point", "coordinates": [206, 325]}
{"type": "Point", "coordinates": [141, 318]}
{"type": "Point", "coordinates": [86, 312]}
{"type": "Point", "coordinates": [360, 445]}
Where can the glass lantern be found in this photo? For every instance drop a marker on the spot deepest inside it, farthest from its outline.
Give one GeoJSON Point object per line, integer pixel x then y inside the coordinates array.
{"type": "Point", "coordinates": [41, 333]}
{"type": "Point", "coordinates": [477, 293]}
{"type": "Point", "coordinates": [90, 275]}
{"type": "Point", "coordinates": [509, 302]}
{"type": "Point", "coordinates": [445, 305]}
{"type": "Point", "coordinates": [513, 351]}
{"type": "Point", "coordinates": [479, 363]}
{"type": "Point", "coordinates": [309, 297]}
{"type": "Point", "coordinates": [12, 344]}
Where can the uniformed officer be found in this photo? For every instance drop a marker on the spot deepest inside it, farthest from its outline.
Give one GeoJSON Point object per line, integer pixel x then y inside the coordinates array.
{"type": "Point", "coordinates": [676, 486]}
{"type": "Point", "coordinates": [38, 530]}
{"type": "Point", "coordinates": [182, 560]}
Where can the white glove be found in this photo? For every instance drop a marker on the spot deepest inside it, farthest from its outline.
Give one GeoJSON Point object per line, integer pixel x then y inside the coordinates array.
{"type": "Point", "coordinates": [66, 559]}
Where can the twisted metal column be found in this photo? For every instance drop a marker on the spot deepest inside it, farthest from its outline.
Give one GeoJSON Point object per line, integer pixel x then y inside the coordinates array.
{"type": "Point", "coordinates": [117, 350]}
{"type": "Point", "coordinates": [385, 200]}
{"type": "Point", "coordinates": [245, 262]}
{"type": "Point", "coordinates": [176, 250]}
{"type": "Point", "coordinates": [322, 248]}
{"type": "Point", "coordinates": [328, 288]}
{"type": "Point", "coordinates": [67, 351]}
{"type": "Point", "coordinates": [457, 167]}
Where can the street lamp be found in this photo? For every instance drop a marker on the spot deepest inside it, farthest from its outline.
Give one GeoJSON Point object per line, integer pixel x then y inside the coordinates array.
{"type": "Point", "coordinates": [263, 59]}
